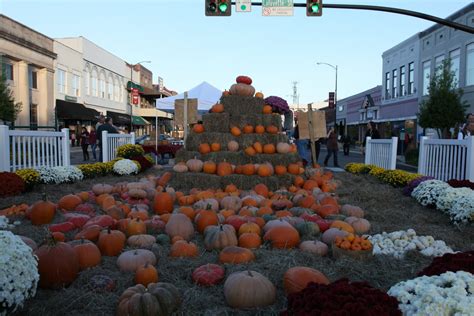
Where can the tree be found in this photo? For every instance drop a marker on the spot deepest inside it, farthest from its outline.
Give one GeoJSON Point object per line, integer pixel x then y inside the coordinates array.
{"type": "Point", "coordinates": [443, 108]}
{"type": "Point", "coordinates": [9, 110]}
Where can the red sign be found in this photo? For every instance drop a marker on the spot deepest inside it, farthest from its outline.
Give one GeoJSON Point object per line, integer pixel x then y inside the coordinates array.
{"type": "Point", "coordinates": [135, 96]}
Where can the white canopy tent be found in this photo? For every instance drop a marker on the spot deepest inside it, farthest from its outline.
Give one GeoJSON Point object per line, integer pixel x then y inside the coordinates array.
{"type": "Point", "coordinates": [206, 95]}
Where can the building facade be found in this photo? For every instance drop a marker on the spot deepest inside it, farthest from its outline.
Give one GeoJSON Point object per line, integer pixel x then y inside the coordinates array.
{"type": "Point", "coordinates": [102, 82]}
{"type": "Point", "coordinates": [438, 43]}
{"type": "Point", "coordinates": [27, 60]}
{"type": "Point", "coordinates": [400, 91]}
{"type": "Point", "coordinates": [358, 110]}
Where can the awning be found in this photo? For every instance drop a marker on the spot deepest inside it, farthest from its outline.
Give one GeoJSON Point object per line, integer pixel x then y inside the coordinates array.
{"type": "Point", "coordinates": [138, 120]}
{"type": "Point", "coordinates": [119, 118]}
{"type": "Point", "coordinates": [75, 111]}
{"type": "Point", "coordinates": [131, 85]}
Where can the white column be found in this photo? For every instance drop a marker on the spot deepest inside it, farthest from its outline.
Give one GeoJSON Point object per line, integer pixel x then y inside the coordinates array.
{"type": "Point", "coordinates": [422, 156]}
{"type": "Point", "coordinates": [470, 159]}
{"type": "Point", "coordinates": [47, 103]}
{"type": "Point", "coordinates": [132, 140]}
{"type": "Point", "coordinates": [393, 154]}
{"type": "Point", "coordinates": [4, 149]}
{"type": "Point", "coordinates": [23, 93]}
{"type": "Point", "coordinates": [368, 150]}
{"type": "Point", "coordinates": [66, 150]}
{"type": "Point", "coordinates": [105, 147]}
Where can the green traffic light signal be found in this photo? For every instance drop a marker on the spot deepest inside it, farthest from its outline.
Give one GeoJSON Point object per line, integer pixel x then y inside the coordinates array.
{"type": "Point", "coordinates": [315, 8]}
{"type": "Point", "coordinates": [223, 7]}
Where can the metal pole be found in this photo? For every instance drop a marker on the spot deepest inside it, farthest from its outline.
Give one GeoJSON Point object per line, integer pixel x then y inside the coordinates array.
{"type": "Point", "coordinates": [130, 99]}
{"type": "Point", "coordinates": [185, 111]}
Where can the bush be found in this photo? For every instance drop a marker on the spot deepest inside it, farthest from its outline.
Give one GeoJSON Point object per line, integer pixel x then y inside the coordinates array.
{"type": "Point", "coordinates": [128, 151]}
{"type": "Point", "coordinates": [31, 177]}
{"type": "Point", "coordinates": [11, 184]}
{"type": "Point", "coordinates": [461, 184]}
{"type": "Point", "coordinates": [144, 162]}
{"type": "Point", "coordinates": [408, 189]}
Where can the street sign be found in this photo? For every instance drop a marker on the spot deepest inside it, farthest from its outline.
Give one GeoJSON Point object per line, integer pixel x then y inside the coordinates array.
{"type": "Point", "coordinates": [331, 100]}
{"type": "Point", "coordinates": [243, 6]}
{"type": "Point", "coordinates": [277, 7]}
{"type": "Point", "coordinates": [135, 95]}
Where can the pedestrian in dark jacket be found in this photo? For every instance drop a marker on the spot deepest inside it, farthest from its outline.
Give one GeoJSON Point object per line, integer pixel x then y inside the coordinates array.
{"type": "Point", "coordinates": [93, 141]}
{"type": "Point", "coordinates": [107, 126]}
{"type": "Point", "coordinates": [332, 147]}
{"type": "Point", "coordinates": [85, 143]}
{"type": "Point", "coordinates": [372, 132]}
{"type": "Point", "coordinates": [346, 143]}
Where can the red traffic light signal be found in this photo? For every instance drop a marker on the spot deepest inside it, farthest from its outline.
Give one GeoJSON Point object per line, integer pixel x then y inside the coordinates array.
{"type": "Point", "coordinates": [314, 7]}
{"type": "Point", "coordinates": [218, 7]}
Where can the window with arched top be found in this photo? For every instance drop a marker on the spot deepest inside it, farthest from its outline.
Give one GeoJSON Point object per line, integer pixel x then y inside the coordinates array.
{"type": "Point", "coordinates": [87, 78]}
{"type": "Point", "coordinates": [116, 89]}
{"type": "Point", "coordinates": [102, 84]}
{"type": "Point", "coordinates": [94, 75]}
{"type": "Point", "coordinates": [120, 84]}
{"type": "Point", "coordinates": [110, 88]}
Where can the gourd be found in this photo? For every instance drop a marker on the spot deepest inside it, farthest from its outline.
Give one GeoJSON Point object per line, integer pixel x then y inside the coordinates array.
{"type": "Point", "coordinates": [155, 299]}
{"type": "Point", "coordinates": [237, 294]}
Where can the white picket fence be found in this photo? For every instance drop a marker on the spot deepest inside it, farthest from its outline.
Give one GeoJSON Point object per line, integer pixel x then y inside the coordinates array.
{"type": "Point", "coordinates": [33, 149]}
{"type": "Point", "coordinates": [381, 152]}
{"type": "Point", "coordinates": [110, 143]}
{"type": "Point", "coordinates": [446, 159]}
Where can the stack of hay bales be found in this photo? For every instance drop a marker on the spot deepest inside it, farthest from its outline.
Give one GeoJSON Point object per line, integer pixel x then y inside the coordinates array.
{"type": "Point", "coordinates": [238, 111]}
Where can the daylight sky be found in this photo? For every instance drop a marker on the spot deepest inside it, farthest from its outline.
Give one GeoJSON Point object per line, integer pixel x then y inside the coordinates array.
{"type": "Point", "coordinates": [186, 47]}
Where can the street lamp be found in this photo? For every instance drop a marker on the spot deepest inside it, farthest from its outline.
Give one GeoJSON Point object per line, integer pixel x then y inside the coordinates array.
{"type": "Point", "coordinates": [131, 82]}
{"type": "Point", "coordinates": [335, 91]}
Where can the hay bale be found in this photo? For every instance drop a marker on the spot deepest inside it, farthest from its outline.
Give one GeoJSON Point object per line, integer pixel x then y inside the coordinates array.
{"type": "Point", "coordinates": [236, 105]}
{"type": "Point", "coordinates": [187, 181]}
{"type": "Point", "coordinates": [245, 140]}
{"type": "Point", "coordinates": [216, 122]}
{"type": "Point", "coordinates": [255, 119]}
{"type": "Point", "coordinates": [240, 158]}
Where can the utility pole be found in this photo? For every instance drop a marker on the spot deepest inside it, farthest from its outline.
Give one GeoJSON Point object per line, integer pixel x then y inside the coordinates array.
{"type": "Point", "coordinates": [296, 97]}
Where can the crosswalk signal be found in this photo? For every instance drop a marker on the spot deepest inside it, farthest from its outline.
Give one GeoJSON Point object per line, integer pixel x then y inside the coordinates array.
{"type": "Point", "coordinates": [218, 7]}
{"type": "Point", "coordinates": [314, 7]}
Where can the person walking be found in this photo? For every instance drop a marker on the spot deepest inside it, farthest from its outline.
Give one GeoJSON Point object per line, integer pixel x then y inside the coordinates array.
{"type": "Point", "coordinates": [100, 122]}
{"type": "Point", "coordinates": [346, 143]}
{"type": "Point", "coordinates": [332, 147]}
{"type": "Point", "coordinates": [372, 132]}
{"type": "Point", "coordinates": [73, 139]}
{"type": "Point", "coordinates": [93, 142]}
{"type": "Point", "coordinates": [107, 126]}
{"type": "Point", "coordinates": [85, 143]}
{"type": "Point", "coordinates": [301, 145]}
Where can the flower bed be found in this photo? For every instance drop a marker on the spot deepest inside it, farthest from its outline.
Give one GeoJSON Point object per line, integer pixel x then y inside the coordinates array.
{"type": "Point", "coordinates": [450, 293]}
{"type": "Point", "coordinates": [460, 261]}
{"type": "Point", "coordinates": [400, 242]}
{"type": "Point", "coordinates": [458, 203]}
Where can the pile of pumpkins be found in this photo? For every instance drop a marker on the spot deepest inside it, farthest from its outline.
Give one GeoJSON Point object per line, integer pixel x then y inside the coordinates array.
{"type": "Point", "coordinates": [137, 216]}
{"type": "Point", "coordinates": [225, 168]}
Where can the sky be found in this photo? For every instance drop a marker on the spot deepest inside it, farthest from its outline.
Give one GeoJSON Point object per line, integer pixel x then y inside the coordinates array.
{"type": "Point", "coordinates": [185, 47]}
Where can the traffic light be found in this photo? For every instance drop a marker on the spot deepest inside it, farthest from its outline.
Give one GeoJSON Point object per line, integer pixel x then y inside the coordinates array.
{"type": "Point", "coordinates": [314, 7]}
{"type": "Point", "coordinates": [218, 8]}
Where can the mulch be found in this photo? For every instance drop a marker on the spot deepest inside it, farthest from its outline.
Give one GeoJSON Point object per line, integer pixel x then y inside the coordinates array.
{"type": "Point", "coordinates": [386, 208]}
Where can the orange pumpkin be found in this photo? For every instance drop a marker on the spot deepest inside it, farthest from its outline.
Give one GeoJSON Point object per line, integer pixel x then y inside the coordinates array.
{"type": "Point", "coordinates": [272, 129]}
{"type": "Point", "coordinates": [267, 109]}
{"type": "Point", "coordinates": [249, 227]}
{"type": "Point", "coordinates": [235, 131]}
{"type": "Point", "coordinates": [261, 189]}
{"type": "Point", "coordinates": [217, 108]}
{"type": "Point", "coordinates": [280, 170]}
{"type": "Point", "coordinates": [182, 248]}
{"type": "Point", "coordinates": [264, 210]}
{"type": "Point", "coordinates": [283, 237]}
{"type": "Point", "coordinates": [163, 203]}
{"type": "Point", "coordinates": [225, 93]}
{"type": "Point", "coordinates": [294, 168]}
{"type": "Point", "coordinates": [231, 188]}
{"type": "Point", "coordinates": [188, 211]}
{"type": "Point", "coordinates": [259, 129]}
{"type": "Point", "coordinates": [310, 185]}
{"type": "Point", "coordinates": [88, 254]}
{"type": "Point", "coordinates": [215, 147]}
{"type": "Point", "coordinates": [248, 129]}
{"type": "Point", "coordinates": [250, 151]}
{"type": "Point", "coordinates": [297, 278]}
{"type": "Point", "coordinates": [204, 149]}
{"type": "Point", "coordinates": [198, 128]}
{"type": "Point", "coordinates": [269, 149]}
{"type": "Point", "coordinates": [264, 171]}
{"type": "Point", "coordinates": [224, 169]}
{"type": "Point", "coordinates": [259, 95]}
{"type": "Point", "coordinates": [186, 200]}
{"type": "Point", "coordinates": [248, 169]}
{"type": "Point", "coordinates": [205, 218]}
{"type": "Point", "coordinates": [236, 255]}
{"type": "Point", "coordinates": [238, 170]}
{"type": "Point", "coordinates": [250, 240]}
{"type": "Point", "coordinates": [209, 167]}
{"type": "Point", "coordinates": [258, 147]}
{"type": "Point", "coordinates": [136, 227]}
{"type": "Point", "coordinates": [146, 274]}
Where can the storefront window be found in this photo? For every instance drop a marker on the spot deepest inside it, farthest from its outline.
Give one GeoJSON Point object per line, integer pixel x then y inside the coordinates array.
{"type": "Point", "coordinates": [426, 76]}
{"type": "Point", "coordinates": [455, 59]}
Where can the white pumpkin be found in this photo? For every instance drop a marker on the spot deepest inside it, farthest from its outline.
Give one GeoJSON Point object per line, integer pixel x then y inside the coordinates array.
{"type": "Point", "coordinates": [180, 167]}
{"type": "Point", "coordinates": [283, 148]}
{"type": "Point", "coordinates": [233, 146]}
{"type": "Point", "coordinates": [231, 203]}
{"type": "Point", "coordinates": [315, 247]}
{"type": "Point", "coordinates": [195, 165]}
